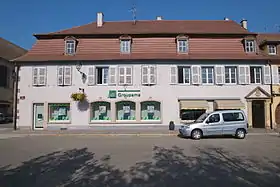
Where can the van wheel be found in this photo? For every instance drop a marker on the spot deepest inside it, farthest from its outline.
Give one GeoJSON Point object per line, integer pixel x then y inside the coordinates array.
{"type": "Point", "coordinates": [196, 134]}
{"type": "Point", "coordinates": [240, 133]}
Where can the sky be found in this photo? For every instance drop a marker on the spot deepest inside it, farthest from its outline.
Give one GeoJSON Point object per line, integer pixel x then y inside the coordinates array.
{"type": "Point", "coordinates": [20, 19]}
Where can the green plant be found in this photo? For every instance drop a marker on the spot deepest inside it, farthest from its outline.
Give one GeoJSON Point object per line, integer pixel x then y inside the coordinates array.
{"type": "Point", "coordinates": [78, 96]}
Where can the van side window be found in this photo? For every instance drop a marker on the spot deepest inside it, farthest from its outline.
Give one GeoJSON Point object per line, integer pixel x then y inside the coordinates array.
{"type": "Point", "coordinates": [233, 116]}
{"type": "Point", "coordinates": [214, 118]}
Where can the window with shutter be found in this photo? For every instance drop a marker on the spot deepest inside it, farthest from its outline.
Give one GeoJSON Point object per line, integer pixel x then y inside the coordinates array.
{"type": "Point", "coordinates": [128, 75]}
{"type": "Point", "coordinates": [42, 76]}
{"type": "Point", "coordinates": [35, 76]}
{"type": "Point", "coordinates": [145, 75]}
{"type": "Point", "coordinates": [121, 75]}
{"type": "Point", "coordinates": [173, 75]}
{"type": "Point", "coordinates": [60, 75]}
{"type": "Point", "coordinates": [220, 74]}
{"type": "Point", "coordinates": [244, 74]}
{"type": "Point", "coordinates": [67, 76]}
{"type": "Point", "coordinates": [196, 77]}
{"type": "Point", "coordinates": [112, 75]}
{"type": "Point", "coordinates": [275, 74]}
{"type": "Point", "coordinates": [266, 75]}
{"type": "Point", "coordinates": [91, 75]}
{"type": "Point", "coordinates": [152, 73]}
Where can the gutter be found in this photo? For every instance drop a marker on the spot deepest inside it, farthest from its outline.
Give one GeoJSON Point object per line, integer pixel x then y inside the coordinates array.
{"type": "Point", "coordinates": [271, 94]}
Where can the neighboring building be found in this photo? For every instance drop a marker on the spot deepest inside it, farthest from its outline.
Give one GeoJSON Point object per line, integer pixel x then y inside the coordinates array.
{"type": "Point", "coordinates": [8, 52]}
{"type": "Point", "coordinates": [270, 46]}
{"type": "Point", "coordinates": [143, 73]}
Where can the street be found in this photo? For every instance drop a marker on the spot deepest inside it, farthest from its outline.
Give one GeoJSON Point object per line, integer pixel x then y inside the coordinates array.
{"type": "Point", "coordinates": [106, 161]}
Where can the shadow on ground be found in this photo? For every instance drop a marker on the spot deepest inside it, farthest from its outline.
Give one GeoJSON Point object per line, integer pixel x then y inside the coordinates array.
{"type": "Point", "coordinates": [169, 167]}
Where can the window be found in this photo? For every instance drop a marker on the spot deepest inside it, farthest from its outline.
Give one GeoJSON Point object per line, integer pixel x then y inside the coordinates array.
{"type": "Point", "coordinates": [39, 76]}
{"type": "Point", "coordinates": [59, 112]}
{"type": "Point", "coordinates": [272, 49]}
{"type": "Point", "coordinates": [234, 116]}
{"type": "Point", "coordinates": [64, 75]}
{"type": "Point", "coordinates": [125, 75]}
{"type": "Point", "coordinates": [184, 75]}
{"type": "Point", "coordinates": [102, 74]}
{"type": "Point", "coordinates": [214, 118]}
{"type": "Point", "coordinates": [100, 111]}
{"type": "Point", "coordinates": [4, 79]}
{"type": "Point", "coordinates": [150, 110]}
{"type": "Point", "coordinates": [149, 75]}
{"type": "Point", "coordinates": [125, 110]}
{"type": "Point", "coordinates": [207, 75]}
{"type": "Point", "coordinates": [278, 74]}
{"type": "Point", "coordinates": [125, 46]}
{"type": "Point", "coordinates": [256, 75]}
{"type": "Point", "coordinates": [191, 114]}
{"type": "Point", "coordinates": [250, 46]}
{"type": "Point", "coordinates": [230, 75]}
{"type": "Point", "coordinates": [70, 47]}
{"type": "Point", "coordinates": [182, 46]}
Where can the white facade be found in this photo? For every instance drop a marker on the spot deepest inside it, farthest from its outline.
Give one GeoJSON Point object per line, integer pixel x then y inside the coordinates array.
{"type": "Point", "coordinates": [162, 88]}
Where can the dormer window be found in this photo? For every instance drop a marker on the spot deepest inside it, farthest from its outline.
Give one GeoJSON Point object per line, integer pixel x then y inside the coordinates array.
{"type": "Point", "coordinates": [125, 44]}
{"type": "Point", "coordinates": [70, 46]}
{"type": "Point", "coordinates": [182, 44]}
{"type": "Point", "coordinates": [272, 50]}
{"type": "Point", "coordinates": [250, 46]}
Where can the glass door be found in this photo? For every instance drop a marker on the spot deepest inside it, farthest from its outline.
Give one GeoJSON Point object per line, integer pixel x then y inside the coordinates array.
{"type": "Point", "coordinates": [38, 116]}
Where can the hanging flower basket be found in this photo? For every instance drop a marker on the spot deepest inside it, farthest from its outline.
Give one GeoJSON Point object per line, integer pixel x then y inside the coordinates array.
{"type": "Point", "coordinates": [78, 96]}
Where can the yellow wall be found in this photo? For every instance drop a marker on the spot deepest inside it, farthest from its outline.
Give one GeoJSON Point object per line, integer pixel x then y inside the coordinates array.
{"type": "Point", "coordinates": [276, 101]}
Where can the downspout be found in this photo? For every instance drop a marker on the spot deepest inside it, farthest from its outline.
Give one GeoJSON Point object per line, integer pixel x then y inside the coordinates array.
{"type": "Point", "coordinates": [271, 95]}
{"type": "Point", "coordinates": [15, 90]}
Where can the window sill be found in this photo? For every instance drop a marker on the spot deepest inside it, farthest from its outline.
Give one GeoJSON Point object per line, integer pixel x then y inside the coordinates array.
{"type": "Point", "coordinates": [207, 84]}
{"type": "Point", "coordinates": [125, 121]}
{"type": "Point", "coordinates": [151, 121]}
{"type": "Point", "coordinates": [60, 122]}
{"type": "Point", "coordinates": [184, 84]}
{"type": "Point", "coordinates": [100, 121]}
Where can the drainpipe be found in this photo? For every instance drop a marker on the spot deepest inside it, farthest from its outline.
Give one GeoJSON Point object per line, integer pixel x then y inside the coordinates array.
{"type": "Point", "coordinates": [271, 94]}
{"type": "Point", "coordinates": [15, 96]}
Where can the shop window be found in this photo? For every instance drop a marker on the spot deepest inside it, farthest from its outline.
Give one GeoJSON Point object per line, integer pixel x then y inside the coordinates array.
{"type": "Point", "coordinates": [125, 110]}
{"type": "Point", "coordinates": [150, 110]}
{"type": "Point", "coordinates": [100, 111]}
{"type": "Point", "coordinates": [191, 114]}
{"type": "Point", "coordinates": [59, 112]}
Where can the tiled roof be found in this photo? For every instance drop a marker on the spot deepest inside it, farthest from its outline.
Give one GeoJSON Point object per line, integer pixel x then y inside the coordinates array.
{"type": "Point", "coordinates": [10, 51]}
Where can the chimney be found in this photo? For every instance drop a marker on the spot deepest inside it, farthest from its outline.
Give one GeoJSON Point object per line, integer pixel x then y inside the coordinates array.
{"type": "Point", "coordinates": [244, 23]}
{"type": "Point", "coordinates": [159, 17]}
{"type": "Point", "coordinates": [99, 21]}
{"type": "Point", "coordinates": [226, 19]}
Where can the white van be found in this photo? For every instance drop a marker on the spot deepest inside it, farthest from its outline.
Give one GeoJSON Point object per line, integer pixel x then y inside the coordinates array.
{"type": "Point", "coordinates": [224, 122]}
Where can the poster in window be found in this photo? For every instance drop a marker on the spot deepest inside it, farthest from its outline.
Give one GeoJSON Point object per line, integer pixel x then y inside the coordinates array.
{"type": "Point", "coordinates": [151, 109]}
{"type": "Point", "coordinates": [102, 109]}
{"type": "Point", "coordinates": [126, 109]}
{"type": "Point", "coordinates": [62, 111]}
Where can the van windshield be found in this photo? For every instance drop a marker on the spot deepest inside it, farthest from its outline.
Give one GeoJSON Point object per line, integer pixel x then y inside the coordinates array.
{"type": "Point", "coordinates": [201, 118]}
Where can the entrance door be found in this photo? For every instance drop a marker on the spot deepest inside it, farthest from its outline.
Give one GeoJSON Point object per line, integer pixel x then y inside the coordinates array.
{"type": "Point", "coordinates": [38, 115]}
{"type": "Point", "coordinates": [258, 114]}
{"type": "Point", "coordinates": [277, 115]}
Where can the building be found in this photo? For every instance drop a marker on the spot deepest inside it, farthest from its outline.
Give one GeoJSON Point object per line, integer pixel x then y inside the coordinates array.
{"type": "Point", "coordinates": [8, 52]}
{"type": "Point", "coordinates": [269, 44]}
{"type": "Point", "coordinates": [143, 73]}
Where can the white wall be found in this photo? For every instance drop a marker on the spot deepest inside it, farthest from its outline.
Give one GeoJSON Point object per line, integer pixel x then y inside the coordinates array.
{"type": "Point", "coordinates": [162, 91]}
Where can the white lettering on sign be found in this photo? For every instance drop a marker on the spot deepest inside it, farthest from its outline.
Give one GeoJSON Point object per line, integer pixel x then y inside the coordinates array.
{"type": "Point", "coordinates": [128, 94]}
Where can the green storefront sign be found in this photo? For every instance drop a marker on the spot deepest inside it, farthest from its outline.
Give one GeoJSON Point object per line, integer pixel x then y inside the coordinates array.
{"type": "Point", "coordinates": [123, 93]}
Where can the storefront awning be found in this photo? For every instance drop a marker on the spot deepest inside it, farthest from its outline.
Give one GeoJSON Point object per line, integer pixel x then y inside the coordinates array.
{"type": "Point", "coordinates": [229, 104]}
{"type": "Point", "coordinates": [193, 104]}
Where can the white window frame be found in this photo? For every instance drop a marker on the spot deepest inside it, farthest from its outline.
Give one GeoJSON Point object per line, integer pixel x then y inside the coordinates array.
{"type": "Point", "coordinates": [272, 49]}
{"type": "Point", "coordinates": [182, 46]}
{"type": "Point", "coordinates": [70, 47]}
{"type": "Point", "coordinates": [149, 74]}
{"type": "Point", "coordinates": [39, 76]}
{"type": "Point", "coordinates": [125, 75]}
{"type": "Point", "coordinates": [207, 75]}
{"type": "Point", "coordinates": [103, 75]}
{"type": "Point", "coordinates": [278, 74]}
{"type": "Point", "coordinates": [63, 75]}
{"type": "Point", "coordinates": [230, 68]}
{"type": "Point", "coordinates": [250, 46]}
{"type": "Point", "coordinates": [125, 46]}
{"type": "Point", "coordinates": [255, 73]}
{"type": "Point", "coordinates": [184, 75]}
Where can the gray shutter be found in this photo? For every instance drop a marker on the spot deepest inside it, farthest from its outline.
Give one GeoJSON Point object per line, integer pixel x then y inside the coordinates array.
{"type": "Point", "coordinates": [153, 74]}
{"type": "Point", "coordinates": [173, 75]}
{"type": "Point", "coordinates": [219, 74]}
{"type": "Point", "coordinates": [266, 75]}
{"type": "Point", "coordinates": [243, 73]}
{"type": "Point", "coordinates": [91, 76]}
{"type": "Point", "coordinates": [196, 74]}
{"type": "Point", "coordinates": [128, 75]}
{"type": "Point", "coordinates": [145, 75]}
{"type": "Point", "coordinates": [112, 75]}
{"type": "Point", "coordinates": [121, 75]}
{"type": "Point", "coordinates": [35, 76]}
{"type": "Point", "coordinates": [247, 75]}
{"type": "Point", "coordinates": [275, 74]}
{"type": "Point", "coordinates": [42, 76]}
{"type": "Point", "coordinates": [67, 75]}
{"type": "Point", "coordinates": [60, 71]}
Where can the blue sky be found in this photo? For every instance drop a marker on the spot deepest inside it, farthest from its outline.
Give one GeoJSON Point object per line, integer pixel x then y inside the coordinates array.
{"type": "Point", "coordinates": [22, 18]}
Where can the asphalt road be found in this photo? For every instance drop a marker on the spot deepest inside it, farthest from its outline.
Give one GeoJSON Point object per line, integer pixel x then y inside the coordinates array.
{"type": "Point", "coordinates": [149, 161]}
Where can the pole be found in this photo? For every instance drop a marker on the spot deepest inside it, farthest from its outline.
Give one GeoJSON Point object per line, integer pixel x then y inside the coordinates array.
{"type": "Point", "coordinates": [15, 98]}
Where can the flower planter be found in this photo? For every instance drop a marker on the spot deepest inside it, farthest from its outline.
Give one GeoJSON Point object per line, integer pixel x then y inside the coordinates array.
{"type": "Point", "coordinates": [78, 96]}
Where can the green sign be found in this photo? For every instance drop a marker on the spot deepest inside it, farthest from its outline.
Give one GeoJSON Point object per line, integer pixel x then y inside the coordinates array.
{"type": "Point", "coordinates": [124, 93]}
